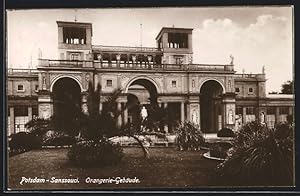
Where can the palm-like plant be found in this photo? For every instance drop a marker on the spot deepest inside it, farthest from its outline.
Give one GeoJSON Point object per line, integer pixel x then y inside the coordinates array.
{"type": "Point", "coordinates": [260, 156]}
{"type": "Point", "coordinates": [189, 136]}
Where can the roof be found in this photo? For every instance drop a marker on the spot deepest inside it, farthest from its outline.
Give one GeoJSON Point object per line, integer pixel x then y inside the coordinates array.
{"type": "Point", "coordinates": [168, 29]}
{"type": "Point", "coordinates": [73, 24]}
{"type": "Point", "coordinates": [290, 96]}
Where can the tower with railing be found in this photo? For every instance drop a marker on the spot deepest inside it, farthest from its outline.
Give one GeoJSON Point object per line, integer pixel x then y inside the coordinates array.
{"type": "Point", "coordinates": [176, 44]}
{"type": "Point", "coordinates": [74, 40]}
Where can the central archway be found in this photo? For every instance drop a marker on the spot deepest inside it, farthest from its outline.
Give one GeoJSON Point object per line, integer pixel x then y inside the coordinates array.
{"type": "Point", "coordinates": [141, 92]}
{"type": "Point", "coordinates": [210, 106]}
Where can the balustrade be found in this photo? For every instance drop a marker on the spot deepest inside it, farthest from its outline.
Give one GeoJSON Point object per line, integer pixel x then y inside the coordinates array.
{"type": "Point", "coordinates": [130, 65]}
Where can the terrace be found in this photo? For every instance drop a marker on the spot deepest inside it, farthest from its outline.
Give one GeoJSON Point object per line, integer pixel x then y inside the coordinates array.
{"type": "Point", "coordinates": [22, 72]}
{"type": "Point", "coordinates": [125, 48]}
{"type": "Point", "coordinates": [121, 65]}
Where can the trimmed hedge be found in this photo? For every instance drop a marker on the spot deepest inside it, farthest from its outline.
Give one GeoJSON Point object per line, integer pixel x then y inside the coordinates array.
{"type": "Point", "coordinates": [225, 132]}
{"type": "Point", "coordinates": [24, 141]}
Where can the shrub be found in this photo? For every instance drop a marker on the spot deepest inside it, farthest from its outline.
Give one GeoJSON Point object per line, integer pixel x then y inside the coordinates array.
{"type": "Point", "coordinates": [189, 136]}
{"type": "Point", "coordinates": [219, 149]}
{"type": "Point", "coordinates": [39, 126]}
{"type": "Point", "coordinates": [53, 138]}
{"type": "Point", "coordinates": [24, 141]}
{"type": "Point", "coordinates": [225, 132]}
{"type": "Point", "coordinates": [90, 153]}
{"type": "Point", "coordinates": [260, 157]}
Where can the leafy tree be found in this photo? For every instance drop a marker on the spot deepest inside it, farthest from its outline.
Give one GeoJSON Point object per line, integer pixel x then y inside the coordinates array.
{"type": "Point", "coordinates": [287, 87]}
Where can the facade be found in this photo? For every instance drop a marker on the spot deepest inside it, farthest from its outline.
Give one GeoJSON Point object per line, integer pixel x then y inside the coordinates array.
{"type": "Point", "coordinates": [212, 96]}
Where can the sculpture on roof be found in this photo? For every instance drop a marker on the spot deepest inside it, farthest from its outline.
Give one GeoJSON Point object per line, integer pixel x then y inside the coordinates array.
{"type": "Point", "coordinates": [232, 58]}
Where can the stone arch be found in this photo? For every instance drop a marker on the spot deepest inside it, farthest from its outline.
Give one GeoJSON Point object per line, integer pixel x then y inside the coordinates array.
{"type": "Point", "coordinates": [211, 105]}
{"type": "Point", "coordinates": [213, 79]}
{"type": "Point", "coordinates": [131, 81]}
{"type": "Point", "coordinates": [65, 76]}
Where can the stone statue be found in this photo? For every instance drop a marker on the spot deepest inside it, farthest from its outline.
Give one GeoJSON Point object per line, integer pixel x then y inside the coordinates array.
{"type": "Point", "coordinates": [262, 118]}
{"type": "Point", "coordinates": [194, 117]}
{"type": "Point", "coordinates": [230, 117]}
{"type": "Point", "coordinates": [232, 58]}
{"type": "Point", "coordinates": [144, 113]}
{"type": "Point", "coordinates": [44, 82]}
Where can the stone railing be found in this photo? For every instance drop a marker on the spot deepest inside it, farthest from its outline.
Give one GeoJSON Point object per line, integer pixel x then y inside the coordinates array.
{"type": "Point", "coordinates": [65, 63]}
{"type": "Point", "coordinates": [132, 65]}
{"type": "Point", "coordinates": [125, 48]}
{"type": "Point", "coordinates": [13, 71]}
{"type": "Point", "coordinates": [258, 76]}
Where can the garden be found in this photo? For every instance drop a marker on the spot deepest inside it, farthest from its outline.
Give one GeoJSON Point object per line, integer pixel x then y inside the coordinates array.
{"type": "Point", "coordinates": [85, 147]}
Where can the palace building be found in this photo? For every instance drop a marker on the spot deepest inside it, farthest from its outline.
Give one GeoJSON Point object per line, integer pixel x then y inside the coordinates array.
{"type": "Point", "coordinates": [212, 96]}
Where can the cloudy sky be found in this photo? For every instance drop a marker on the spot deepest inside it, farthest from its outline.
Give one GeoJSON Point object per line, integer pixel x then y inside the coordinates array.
{"type": "Point", "coordinates": [255, 36]}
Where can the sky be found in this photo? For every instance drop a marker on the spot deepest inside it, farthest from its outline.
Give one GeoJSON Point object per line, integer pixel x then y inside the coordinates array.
{"type": "Point", "coordinates": [254, 36]}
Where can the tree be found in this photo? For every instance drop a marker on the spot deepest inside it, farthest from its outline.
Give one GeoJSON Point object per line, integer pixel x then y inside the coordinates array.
{"type": "Point", "coordinates": [96, 125]}
{"type": "Point", "coordinates": [287, 87]}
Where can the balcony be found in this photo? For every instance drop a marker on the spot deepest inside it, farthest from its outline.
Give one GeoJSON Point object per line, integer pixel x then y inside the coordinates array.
{"type": "Point", "coordinates": [125, 49]}
{"type": "Point", "coordinates": [259, 76]}
{"type": "Point", "coordinates": [16, 71]}
{"type": "Point", "coordinates": [121, 65]}
{"type": "Point", "coordinates": [65, 63]}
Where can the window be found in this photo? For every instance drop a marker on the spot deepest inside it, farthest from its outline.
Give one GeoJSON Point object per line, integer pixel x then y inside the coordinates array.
{"type": "Point", "coordinates": [109, 83]}
{"type": "Point", "coordinates": [237, 90]}
{"type": "Point", "coordinates": [20, 88]}
{"type": "Point", "coordinates": [271, 110]}
{"type": "Point", "coordinates": [178, 60]}
{"type": "Point", "coordinates": [250, 110]}
{"type": "Point", "coordinates": [21, 111]}
{"type": "Point", "coordinates": [239, 110]}
{"type": "Point", "coordinates": [75, 56]}
{"type": "Point", "coordinates": [177, 40]}
{"type": "Point", "coordinates": [35, 111]}
{"type": "Point", "coordinates": [250, 90]}
{"type": "Point", "coordinates": [74, 35]}
{"type": "Point", "coordinates": [173, 83]}
{"type": "Point", "coordinates": [283, 110]}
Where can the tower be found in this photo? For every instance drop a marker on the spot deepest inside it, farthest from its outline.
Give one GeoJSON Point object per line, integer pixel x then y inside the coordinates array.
{"type": "Point", "coordinates": [74, 40]}
{"type": "Point", "coordinates": [176, 44]}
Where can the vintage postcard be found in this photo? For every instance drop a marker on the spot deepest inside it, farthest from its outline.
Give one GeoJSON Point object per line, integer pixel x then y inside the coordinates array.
{"type": "Point", "coordinates": [150, 98]}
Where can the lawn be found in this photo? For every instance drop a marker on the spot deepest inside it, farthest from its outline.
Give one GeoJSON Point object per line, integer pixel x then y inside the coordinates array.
{"type": "Point", "coordinates": [166, 168]}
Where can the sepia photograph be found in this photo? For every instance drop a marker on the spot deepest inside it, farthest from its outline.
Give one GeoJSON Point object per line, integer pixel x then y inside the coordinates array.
{"type": "Point", "coordinates": [150, 98]}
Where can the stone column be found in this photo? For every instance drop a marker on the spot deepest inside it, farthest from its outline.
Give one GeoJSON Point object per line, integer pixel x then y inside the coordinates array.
{"type": "Point", "coordinates": [12, 120]}
{"type": "Point", "coordinates": [125, 115]}
{"type": "Point", "coordinates": [29, 114]}
{"type": "Point", "coordinates": [166, 128]}
{"type": "Point", "coordinates": [119, 107]}
{"type": "Point", "coordinates": [96, 81]}
{"type": "Point", "coordinates": [277, 115]}
{"type": "Point", "coordinates": [127, 60]}
{"type": "Point", "coordinates": [244, 115]}
{"type": "Point", "coordinates": [159, 104]}
{"type": "Point", "coordinates": [290, 110]}
{"type": "Point", "coordinates": [109, 61]}
{"type": "Point", "coordinates": [182, 112]}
